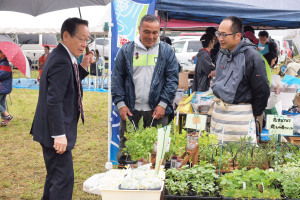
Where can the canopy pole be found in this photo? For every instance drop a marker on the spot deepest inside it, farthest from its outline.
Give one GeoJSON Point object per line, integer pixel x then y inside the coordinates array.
{"type": "Point", "coordinates": [108, 164]}
{"type": "Point", "coordinates": [165, 27]}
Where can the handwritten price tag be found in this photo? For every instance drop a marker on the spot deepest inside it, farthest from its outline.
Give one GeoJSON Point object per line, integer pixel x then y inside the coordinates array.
{"type": "Point", "coordinates": [280, 124]}
{"type": "Point", "coordinates": [192, 121]}
{"type": "Point", "coordinates": [196, 120]}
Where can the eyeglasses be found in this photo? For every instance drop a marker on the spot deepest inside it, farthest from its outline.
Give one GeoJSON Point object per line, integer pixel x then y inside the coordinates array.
{"type": "Point", "coordinates": [81, 40]}
{"type": "Point", "coordinates": [223, 35]}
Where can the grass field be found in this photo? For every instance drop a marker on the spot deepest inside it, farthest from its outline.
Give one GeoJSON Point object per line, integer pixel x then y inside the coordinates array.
{"type": "Point", "coordinates": [22, 169]}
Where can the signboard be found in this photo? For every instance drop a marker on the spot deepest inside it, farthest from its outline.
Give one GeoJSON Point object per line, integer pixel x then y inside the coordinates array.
{"type": "Point", "coordinates": [162, 145]}
{"type": "Point", "coordinates": [280, 124]}
{"type": "Point", "coordinates": [195, 121]}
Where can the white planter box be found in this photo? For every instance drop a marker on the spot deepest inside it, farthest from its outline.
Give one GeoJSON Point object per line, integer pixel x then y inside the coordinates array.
{"type": "Point", "coordinates": [110, 194]}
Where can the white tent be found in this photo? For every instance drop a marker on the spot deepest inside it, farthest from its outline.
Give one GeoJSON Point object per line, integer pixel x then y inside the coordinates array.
{"type": "Point", "coordinates": [14, 22]}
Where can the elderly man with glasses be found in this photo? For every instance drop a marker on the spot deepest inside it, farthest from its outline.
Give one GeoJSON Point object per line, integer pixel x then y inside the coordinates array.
{"type": "Point", "coordinates": [59, 107]}
{"type": "Point", "coordinates": [241, 87]}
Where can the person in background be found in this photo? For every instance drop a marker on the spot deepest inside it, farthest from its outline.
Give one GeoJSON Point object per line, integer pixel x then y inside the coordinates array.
{"type": "Point", "coordinates": [241, 84]}
{"type": "Point", "coordinates": [272, 60]}
{"type": "Point", "coordinates": [167, 40]}
{"type": "Point", "coordinates": [144, 80]}
{"type": "Point", "coordinates": [204, 65]}
{"type": "Point", "coordinates": [79, 59]}
{"type": "Point", "coordinates": [42, 61]}
{"type": "Point", "coordinates": [5, 88]}
{"type": "Point", "coordinates": [215, 50]}
{"type": "Point", "coordinates": [250, 34]}
{"type": "Point", "coordinates": [266, 43]}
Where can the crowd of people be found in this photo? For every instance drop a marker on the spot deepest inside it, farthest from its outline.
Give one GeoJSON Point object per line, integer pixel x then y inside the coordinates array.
{"type": "Point", "coordinates": [144, 82]}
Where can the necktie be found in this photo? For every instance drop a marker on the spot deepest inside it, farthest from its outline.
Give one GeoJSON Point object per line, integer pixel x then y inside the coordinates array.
{"type": "Point", "coordinates": [80, 106]}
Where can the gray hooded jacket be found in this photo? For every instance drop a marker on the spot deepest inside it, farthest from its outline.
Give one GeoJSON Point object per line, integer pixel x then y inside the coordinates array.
{"type": "Point", "coordinates": [241, 77]}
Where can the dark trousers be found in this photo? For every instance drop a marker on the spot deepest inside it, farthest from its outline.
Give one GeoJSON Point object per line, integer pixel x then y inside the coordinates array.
{"type": "Point", "coordinates": [60, 175]}
{"type": "Point", "coordinates": [137, 115]}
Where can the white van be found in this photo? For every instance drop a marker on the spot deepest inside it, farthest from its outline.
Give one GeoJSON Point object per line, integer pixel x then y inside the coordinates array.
{"type": "Point", "coordinates": [185, 49]}
{"type": "Point", "coordinates": [33, 44]}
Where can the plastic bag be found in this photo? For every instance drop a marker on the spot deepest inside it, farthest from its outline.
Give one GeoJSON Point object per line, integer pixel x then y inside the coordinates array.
{"type": "Point", "coordinates": [272, 101]}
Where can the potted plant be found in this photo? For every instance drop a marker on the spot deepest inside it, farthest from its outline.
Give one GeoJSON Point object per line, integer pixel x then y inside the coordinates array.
{"type": "Point", "coordinates": [198, 182]}
{"type": "Point", "coordinates": [255, 183]}
{"type": "Point", "coordinates": [290, 180]}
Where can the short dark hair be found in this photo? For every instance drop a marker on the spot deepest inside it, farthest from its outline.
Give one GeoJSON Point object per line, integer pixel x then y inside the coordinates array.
{"type": "Point", "coordinates": [70, 25]}
{"type": "Point", "coordinates": [149, 18]}
{"type": "Point", "coordinates": [205, 39]}
{"type": "Point", "coordinates": [263, 33]}
{"type": "Point", "coordinates": [237, 24]}
{"type": "Point", "coordinates": [47, 47]}
{"type": "Point", "coordinates": [248, 28]}
{"type": "Point", "coordinates": [211, 30]}
{"type": "Point", "coordinates": [166, 39]}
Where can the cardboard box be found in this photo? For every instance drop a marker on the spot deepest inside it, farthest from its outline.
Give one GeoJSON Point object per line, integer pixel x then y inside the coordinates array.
{"type": "Point", "coordinates": [183, 81]}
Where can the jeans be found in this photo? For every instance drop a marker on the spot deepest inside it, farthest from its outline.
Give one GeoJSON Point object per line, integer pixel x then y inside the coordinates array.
{"type": "Point", "coordinates": [2, 104]}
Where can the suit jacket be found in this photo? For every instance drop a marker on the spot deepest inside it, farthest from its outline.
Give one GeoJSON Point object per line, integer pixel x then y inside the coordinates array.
{"type": "Point", "coordinates": [57, 110]}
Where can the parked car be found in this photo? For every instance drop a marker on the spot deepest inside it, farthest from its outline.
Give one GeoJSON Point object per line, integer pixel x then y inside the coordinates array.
{"type": "Point", "coordinates": [33, 44]}
{"type": "Point", "coordinates": [102, 44]}
{"type": "Point", "coordinates": [181, 38]}
{"type": "Point", "coordinates": [186, 49]}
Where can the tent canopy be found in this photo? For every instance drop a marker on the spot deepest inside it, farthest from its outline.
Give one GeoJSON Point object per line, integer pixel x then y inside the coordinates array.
{"type": "Point", "coordinates": [187, 25]}
{"type": "Point", "coordinates": [263, 14]}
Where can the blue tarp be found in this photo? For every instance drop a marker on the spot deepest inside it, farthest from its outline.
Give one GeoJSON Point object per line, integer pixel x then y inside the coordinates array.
{"type": "Point", "coordinates": [25, 83]}
{"type": "Point", "coordinates": [291, 80]}
{"type": "Point", "coordinates": [268, 13]}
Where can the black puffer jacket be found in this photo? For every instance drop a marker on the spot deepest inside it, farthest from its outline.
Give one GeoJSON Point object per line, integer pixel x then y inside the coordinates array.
{"type": "Point", "coordinates": [203, 69]}
{"type": "Point", "coordinates": [241, 77]}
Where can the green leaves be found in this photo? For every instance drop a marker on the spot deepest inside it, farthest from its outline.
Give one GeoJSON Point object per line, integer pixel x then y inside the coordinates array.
{"type": "Point", "coordinates": [140, 143]}
{"type": "Point", "coordinates": [290, 180]}
{"type": "Point", "coordinates": [199, 179]}
{"type": "Point", "coordinates": [259, 184]}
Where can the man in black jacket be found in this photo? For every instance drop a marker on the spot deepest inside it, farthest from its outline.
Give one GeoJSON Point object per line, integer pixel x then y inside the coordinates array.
{"type": "Point", "coordinates": [59, 107]}
{"type": "Point", "coordinates": [241, 87]}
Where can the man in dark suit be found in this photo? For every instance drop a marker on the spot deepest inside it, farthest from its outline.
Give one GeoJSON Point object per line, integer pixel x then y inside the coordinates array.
{"type": "Point", "coordinates": [59, 107]}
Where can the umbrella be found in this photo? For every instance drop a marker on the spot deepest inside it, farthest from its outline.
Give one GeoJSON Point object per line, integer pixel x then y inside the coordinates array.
{"type": "Point", "coordinates": [15, 55]}
{"type": "Point", "coordinates": [38, 7]}
{"type": "Point", "coordinates": [21, 23]}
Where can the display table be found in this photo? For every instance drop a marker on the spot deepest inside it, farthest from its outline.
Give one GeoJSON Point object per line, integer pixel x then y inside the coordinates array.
{"type": "Point", "coordinates": [295, 139]}
{"type": "Point", "coordinates": [182, 114]}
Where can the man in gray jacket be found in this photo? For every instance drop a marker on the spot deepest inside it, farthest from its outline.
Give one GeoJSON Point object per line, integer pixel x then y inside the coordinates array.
{"type": "Point", "coordinates": [145, 79]}
{"type": "Point", "coordinates": [241, 87]}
